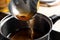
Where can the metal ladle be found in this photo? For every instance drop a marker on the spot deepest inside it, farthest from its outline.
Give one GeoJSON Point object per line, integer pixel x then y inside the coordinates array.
{"type": "Point", "coordinates": [23, 8]}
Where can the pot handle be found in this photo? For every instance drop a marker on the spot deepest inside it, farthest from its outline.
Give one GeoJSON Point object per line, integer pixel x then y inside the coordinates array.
{"type": "Point", "coordinates": [55, 18]}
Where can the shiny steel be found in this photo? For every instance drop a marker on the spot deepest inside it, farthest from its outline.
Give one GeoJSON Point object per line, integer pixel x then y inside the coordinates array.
{"type": "Point", "coordinates": [23, 6]}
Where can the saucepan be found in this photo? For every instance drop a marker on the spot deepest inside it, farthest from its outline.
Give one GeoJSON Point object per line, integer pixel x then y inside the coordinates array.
{"type": "Point", "coordinates": [42, 25]}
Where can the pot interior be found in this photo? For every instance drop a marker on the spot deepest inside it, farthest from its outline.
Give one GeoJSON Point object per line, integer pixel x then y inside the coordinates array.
{"type": "Point", "coordinates": [42, 26]}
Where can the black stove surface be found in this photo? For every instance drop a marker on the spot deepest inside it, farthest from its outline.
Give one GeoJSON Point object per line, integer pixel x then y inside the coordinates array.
{"type": "Point", "coordinates": [53, 36]}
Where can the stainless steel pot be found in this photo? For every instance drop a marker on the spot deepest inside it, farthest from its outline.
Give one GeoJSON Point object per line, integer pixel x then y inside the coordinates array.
{"type": "Point", "coordinates": [43, 24]}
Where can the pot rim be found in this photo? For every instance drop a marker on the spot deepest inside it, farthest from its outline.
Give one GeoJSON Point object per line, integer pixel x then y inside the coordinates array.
{"type": "Point", "coordinates": [5, 19]}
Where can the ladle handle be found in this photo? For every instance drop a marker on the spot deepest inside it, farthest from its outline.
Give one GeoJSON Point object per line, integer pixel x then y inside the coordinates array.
{"type": "Point", "coordinates": [55, 18]}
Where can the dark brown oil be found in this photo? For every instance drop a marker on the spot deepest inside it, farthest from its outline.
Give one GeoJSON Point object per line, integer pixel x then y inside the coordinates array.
{"type": "Point", "coordinates": [25, 34]}
{"type": "Point", "coordinates": [24, 17]}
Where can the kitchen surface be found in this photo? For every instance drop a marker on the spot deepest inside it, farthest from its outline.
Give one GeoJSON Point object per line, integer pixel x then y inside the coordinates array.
{"type": "Point", "coordinates": [48, 11]}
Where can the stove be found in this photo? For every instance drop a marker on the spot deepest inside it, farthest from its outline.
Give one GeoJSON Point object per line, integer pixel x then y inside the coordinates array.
{"type": "Point", "coordinates": [54, 35]}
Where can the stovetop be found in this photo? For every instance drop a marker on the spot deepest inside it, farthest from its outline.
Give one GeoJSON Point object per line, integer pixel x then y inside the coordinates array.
{"type": "Point", "coordinates": [53, 36]}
